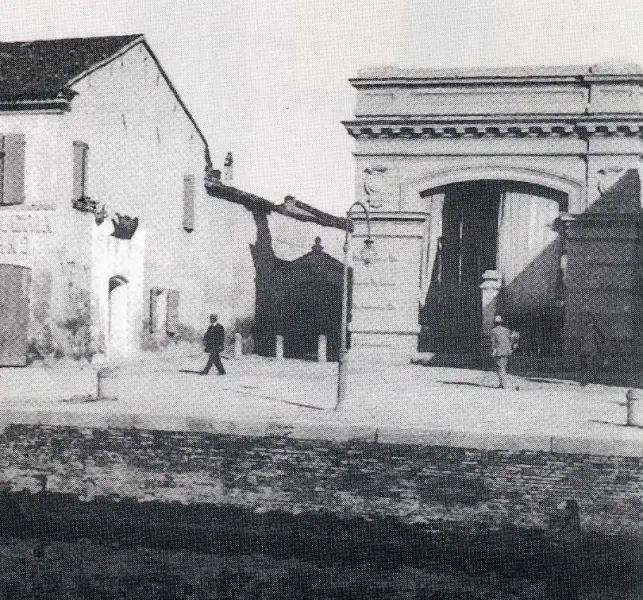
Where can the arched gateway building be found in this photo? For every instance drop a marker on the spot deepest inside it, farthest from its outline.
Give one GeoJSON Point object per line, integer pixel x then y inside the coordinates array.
{"type": "Point", "coordinates": [511, 190]}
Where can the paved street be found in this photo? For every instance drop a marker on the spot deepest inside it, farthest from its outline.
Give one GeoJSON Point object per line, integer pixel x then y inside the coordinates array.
{"type": "Point", "coordinates": [417, 397]}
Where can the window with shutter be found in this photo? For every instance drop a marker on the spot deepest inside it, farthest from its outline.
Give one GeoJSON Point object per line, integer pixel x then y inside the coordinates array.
{"type": "Point", "coordinates": [12, 169]}
{"type": "Point", "coordinates": [188, 202]}
{"type": "Point", "coordinates": [81, 152]}
{"type": "Point", "coordinates": [172, 322]}
{"type": "Point", "coordinates": [154, 309]}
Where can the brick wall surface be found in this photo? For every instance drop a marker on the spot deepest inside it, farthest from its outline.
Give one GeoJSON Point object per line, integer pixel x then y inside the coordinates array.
{"type": "Point", "coordinates": [416, 484]}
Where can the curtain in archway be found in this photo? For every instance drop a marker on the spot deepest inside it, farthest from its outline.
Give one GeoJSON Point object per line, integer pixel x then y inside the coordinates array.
{"type": "Point", "coordinates": [528, 249]}
{"type": "Point", "coordinates": [429, 273]}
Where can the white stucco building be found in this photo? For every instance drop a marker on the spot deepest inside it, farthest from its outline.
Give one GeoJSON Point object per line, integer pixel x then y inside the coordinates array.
{"type": "Point", "coordinates": [91, 129]}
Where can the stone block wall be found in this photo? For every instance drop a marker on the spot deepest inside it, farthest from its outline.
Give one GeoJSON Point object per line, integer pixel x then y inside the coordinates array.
{"type": "Point", "coordinates": [603, 278]}
{"type": "Point", "coordinates": [410, 483]}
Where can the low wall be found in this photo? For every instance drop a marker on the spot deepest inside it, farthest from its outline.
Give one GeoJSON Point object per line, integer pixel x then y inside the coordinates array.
{"type": "Point", "coordinates": [412, 483]}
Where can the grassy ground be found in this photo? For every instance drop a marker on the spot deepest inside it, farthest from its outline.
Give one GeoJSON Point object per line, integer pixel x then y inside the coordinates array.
{"type": "Point", "coordinates": [92, 571]}
{"type": "Point", "coordinates": [53, 546]}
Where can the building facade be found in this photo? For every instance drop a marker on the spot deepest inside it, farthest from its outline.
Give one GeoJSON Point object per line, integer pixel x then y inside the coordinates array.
{"type": "Point", "coordinates": [109, 240]}
{"type": "Point", "coordinates": [512, 191]}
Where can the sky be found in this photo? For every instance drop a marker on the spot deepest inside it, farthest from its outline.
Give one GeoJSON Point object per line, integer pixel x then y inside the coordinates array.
{"type": "Point", "coordinates": [268, 79]}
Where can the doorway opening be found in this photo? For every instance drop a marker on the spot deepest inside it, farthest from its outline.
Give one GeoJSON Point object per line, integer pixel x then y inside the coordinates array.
{"type": "Point", "coordinates": [118, 316]}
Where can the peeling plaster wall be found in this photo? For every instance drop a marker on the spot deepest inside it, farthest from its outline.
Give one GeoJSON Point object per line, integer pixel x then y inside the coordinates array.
{"type": "Point", "coordinates": [40, 234]}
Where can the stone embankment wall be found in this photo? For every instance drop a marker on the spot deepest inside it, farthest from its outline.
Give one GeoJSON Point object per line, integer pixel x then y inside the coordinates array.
{"type": "Point", "coordinates": [412, 483]}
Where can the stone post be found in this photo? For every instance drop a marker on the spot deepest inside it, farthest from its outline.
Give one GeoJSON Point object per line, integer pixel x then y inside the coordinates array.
{"type": "Point", "coordinates": [321, 348]}
{"type": "Point", "coordinates": [490, 288]}
{"type": "Point", "coordinates": [634, 408]}
{"type": "Point", "coordinates": [279, 347]}
{"type": "Point", "coordinates": [106, 384]}
{"type": "Point", "coordinates": [238, 345]}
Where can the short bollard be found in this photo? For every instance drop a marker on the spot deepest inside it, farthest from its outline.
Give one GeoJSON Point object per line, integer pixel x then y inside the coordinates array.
{"type": "Point", "coordinates": [238, 345]}
{"type": "Point", "coordinates": [321, 348]}
{"type": "Point", "coordinates": [634, 410]}
{"type": "Point", "coordinates": [279, 347]}
{"type": "Point", "coordinates": [106, 384]}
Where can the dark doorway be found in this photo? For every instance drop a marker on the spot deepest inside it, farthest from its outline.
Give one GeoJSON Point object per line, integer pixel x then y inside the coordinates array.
{"type": "Point", "coordinates": [452, 316]}
{"type": "Point", "coordinates": [15, 282]}
{"type": "Point", "coordinates": [305, 301]}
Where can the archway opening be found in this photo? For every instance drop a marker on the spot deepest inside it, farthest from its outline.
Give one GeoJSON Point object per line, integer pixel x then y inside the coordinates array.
{"type": "Point", "coordinates": [493, 225]}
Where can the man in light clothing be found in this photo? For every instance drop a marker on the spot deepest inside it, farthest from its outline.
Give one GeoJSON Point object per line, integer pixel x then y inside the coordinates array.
{"type": "Point", "coordinates": [503, 343]}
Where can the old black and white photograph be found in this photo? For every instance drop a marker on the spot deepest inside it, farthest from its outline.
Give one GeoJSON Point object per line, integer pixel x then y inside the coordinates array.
{"type": "Point", "coordinates": [321, 300]}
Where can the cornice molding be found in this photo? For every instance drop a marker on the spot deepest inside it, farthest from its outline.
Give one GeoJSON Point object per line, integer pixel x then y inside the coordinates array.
{"type": "Point", "coordinates": [416, 128]}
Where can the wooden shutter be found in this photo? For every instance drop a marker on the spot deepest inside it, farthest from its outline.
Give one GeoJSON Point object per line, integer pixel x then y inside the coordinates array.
{"type": "Point", "coordinates": [154, 300]}
{"type": "Point", "coordinates": [172, 323]}
{"type": "Point", "coordinates": [15, 284]}
{"type": "Point", "coordinates": [188, 202]}
{"type": "Point", "coordinates": [13, 172]}
{"type": "Point", "coordinates": [1, 168]}
{"type": "Point", "coordinates": [81, 151]}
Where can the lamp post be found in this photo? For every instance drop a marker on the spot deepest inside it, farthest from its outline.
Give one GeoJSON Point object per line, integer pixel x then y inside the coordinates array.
{"type": "Point", "coordinates": [367, 254]}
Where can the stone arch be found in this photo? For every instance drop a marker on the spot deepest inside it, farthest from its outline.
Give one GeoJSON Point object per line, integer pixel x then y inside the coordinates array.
{"type": "Point", "coordinates": [413, 189]}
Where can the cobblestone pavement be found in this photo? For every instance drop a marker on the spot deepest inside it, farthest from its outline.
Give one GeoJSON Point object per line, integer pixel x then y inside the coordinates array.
{"type": "Point", "coordinates": [267, 389]}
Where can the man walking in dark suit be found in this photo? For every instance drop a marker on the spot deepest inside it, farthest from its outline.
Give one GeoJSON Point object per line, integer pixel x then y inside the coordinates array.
{"type": "Point", "coordinates": [213, 341]}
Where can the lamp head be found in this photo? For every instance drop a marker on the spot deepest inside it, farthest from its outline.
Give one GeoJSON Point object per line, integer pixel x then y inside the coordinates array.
{"type": "Point", "coordinates": [368, 253]}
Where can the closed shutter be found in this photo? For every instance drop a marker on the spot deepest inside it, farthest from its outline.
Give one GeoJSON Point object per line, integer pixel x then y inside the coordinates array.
{"type": "Point", "coordinates": [13, 171]}
{"type": "Point", "coordinates": [81, 151]}
{"type": "Point", "coordinates": [154, 313]}
{"type": "Point", "coordinates": [188, 202]}
{"type": "Point", "coordinates": [1, 168]}
{"type": "Point", "coordinates": [172, 323]}
{"type": "Point", "coordinates": [15, 285]}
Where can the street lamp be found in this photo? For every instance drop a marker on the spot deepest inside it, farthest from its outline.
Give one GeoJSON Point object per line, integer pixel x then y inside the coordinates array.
{"type": "Point", "coordinates": [367, 255]}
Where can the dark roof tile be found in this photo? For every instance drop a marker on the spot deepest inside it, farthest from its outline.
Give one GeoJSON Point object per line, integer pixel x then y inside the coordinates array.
{"type": "Point", "coordinates": [42, 69]}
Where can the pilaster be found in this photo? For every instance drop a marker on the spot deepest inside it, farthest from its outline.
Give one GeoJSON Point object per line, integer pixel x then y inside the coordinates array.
{"type": "Point", "coordinates": [384, 321]}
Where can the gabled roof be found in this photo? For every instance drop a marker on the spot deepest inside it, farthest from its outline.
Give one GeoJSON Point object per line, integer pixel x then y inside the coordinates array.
{"type": "Point", "coordinates": [314, 266]}
{"type": "Point", "coordinates": [40, 74]}
{"type": "Point", "coordinates": [43, 70]}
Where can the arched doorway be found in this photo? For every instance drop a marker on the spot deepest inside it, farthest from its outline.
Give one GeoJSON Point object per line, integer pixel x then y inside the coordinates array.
{"type": "Point", "coordinates": [505, 226]}
{"type": "Point", "coordinates": [118, 327]}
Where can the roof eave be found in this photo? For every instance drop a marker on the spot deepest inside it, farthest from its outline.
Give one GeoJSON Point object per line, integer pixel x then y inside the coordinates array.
{"type": "Point", "coordinates": [54, 105]}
